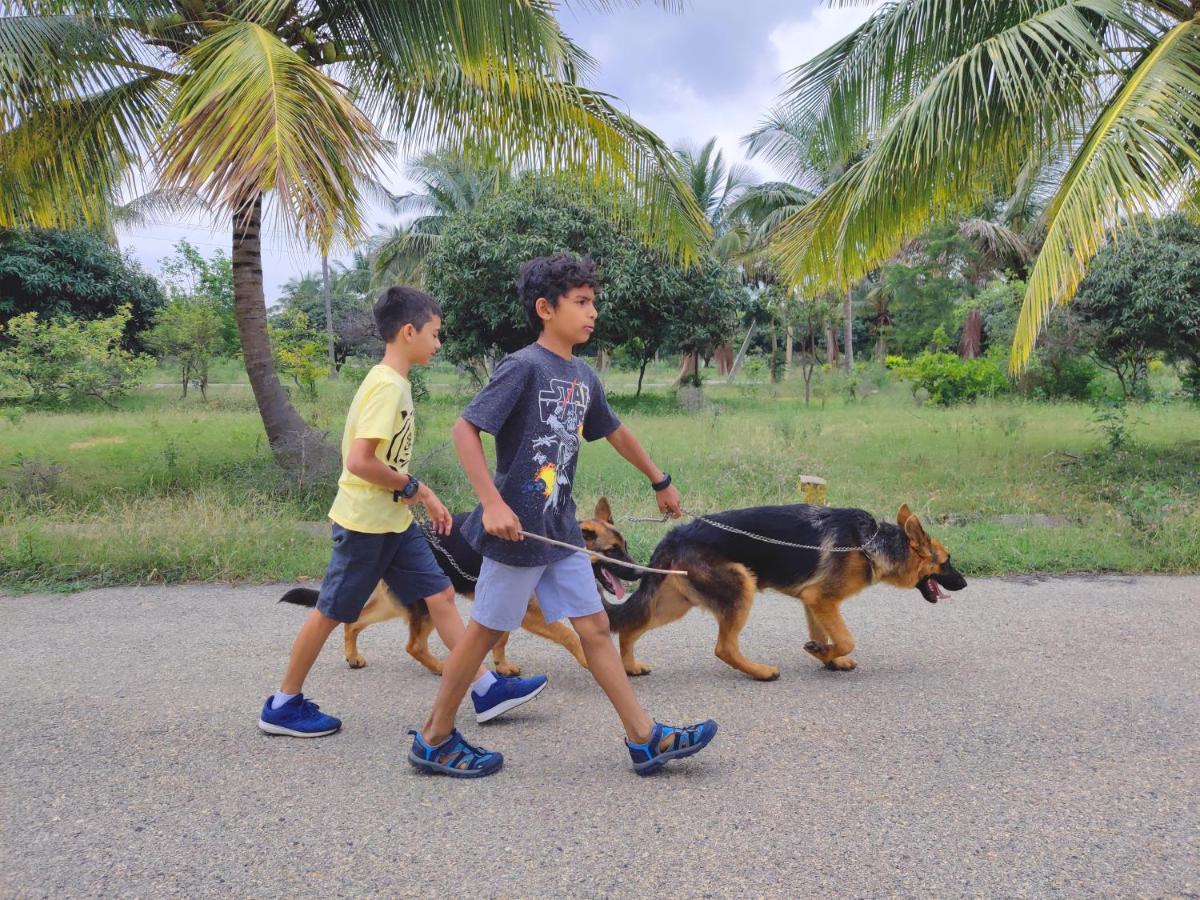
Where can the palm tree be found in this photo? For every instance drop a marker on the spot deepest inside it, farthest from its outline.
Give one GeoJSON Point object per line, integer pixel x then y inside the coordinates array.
{"type": "Point", "coordinates": [285, 105]}
{"type": "Point", "coordinates": [449, 183]}
{"type": "Point", "coordinates": [794, 142]}
{"type": "Point", "coordinates": [950, 102]}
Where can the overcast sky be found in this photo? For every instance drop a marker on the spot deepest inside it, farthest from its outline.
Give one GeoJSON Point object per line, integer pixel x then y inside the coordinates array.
{"type": "Point", "coordinates": [712, 70]}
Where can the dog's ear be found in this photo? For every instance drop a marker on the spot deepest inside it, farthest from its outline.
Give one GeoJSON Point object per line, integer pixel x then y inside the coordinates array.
{"type": "Point", "coordinates": [917, 538]}
{"type": "Point", "coordinates": [604, 511]}
{"type": "Point", "coordinates": [904, 515]}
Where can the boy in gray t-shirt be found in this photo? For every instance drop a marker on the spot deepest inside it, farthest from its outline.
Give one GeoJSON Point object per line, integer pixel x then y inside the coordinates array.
{"type": "Point", "coordinates": [541, 403]}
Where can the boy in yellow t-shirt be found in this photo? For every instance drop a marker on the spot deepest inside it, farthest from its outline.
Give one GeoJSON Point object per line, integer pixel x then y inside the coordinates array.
{"type": "Point", "coordinates": [373, 533]}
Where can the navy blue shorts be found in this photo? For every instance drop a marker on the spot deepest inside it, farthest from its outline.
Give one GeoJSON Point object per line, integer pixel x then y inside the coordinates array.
{"type": "Point", "coordinates": [360, 561]}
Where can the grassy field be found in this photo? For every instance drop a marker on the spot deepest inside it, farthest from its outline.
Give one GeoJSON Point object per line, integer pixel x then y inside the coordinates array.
{"type": "Point", "coordinates": [171, 490]}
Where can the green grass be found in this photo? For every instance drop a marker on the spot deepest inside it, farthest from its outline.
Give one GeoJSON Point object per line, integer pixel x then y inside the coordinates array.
{"type": "Point", "coordinates": [174, 490]}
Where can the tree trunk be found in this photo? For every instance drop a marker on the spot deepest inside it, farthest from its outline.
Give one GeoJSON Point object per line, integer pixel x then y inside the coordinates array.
{"type": "Point", "coordinates": [774, 354]}
{"type": "Point", "coordinates": [333, 372]}
{"type": "Point", "coordinates": [848, 342]}
{"type": "Point", "coordinates": [641, 375]}
{"type": "Point", "coordinates": [724, 357]}
{"type": "Point", "coordinates": [831, 347]}
{"type": "Point", "coordinates": [741, 355]}
{"type": "Point", "coordinates": [787, 353]}
{"type": "Point", "coordinates": [972, 335]}
{"type": "Point", "coordinates": [297, 446]}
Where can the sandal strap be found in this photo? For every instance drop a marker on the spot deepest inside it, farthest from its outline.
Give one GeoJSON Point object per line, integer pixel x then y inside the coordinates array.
{"type": "Point", "coordinates": [452, 751]}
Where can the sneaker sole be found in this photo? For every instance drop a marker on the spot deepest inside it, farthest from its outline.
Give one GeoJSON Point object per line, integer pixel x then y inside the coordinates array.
{"type": "Point", "coordinates": [433, 768]}
{"type": "Point", "coordinates": [279, 729]}
{"type": "Point", "coordinates": [651, 766]}
{"type": "Point", "coordinates": [500, 708]}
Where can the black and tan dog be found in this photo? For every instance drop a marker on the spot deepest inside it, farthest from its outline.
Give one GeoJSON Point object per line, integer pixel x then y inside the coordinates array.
{"type": "Point", "coordinates": [598, 534]}
{"type": "Point", "coordinates": [726, 569]}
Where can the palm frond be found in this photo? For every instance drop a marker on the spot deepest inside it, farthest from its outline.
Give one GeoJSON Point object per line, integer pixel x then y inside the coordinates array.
{"type": "Point", "coordinates": [251, 116]}
{"type": "Point", "coordinates": [972, 128]}
{"type": "Point", "coordinates": [1140, 157]}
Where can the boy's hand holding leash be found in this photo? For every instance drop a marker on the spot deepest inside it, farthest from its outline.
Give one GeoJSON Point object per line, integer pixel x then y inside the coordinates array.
{"type": "Point", "coordinates": [499, 520]}
{"type": "Point", "coordinates": [667, 495]}
{"type": "Point", "coordinates": [438, 514]}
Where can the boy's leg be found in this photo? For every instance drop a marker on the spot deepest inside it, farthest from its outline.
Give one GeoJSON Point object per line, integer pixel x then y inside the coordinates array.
{"type": "Point", "coordinates": [448, 623]}
{"type": "Point", "coordinates": [305, 650]}
{"type": "Point", "coordinates": [604, 662]}
{"type": "Point", "coordinates": [457, 674]}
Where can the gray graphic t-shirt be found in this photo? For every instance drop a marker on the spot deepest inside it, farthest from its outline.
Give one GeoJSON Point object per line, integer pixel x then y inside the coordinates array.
{"type": "Point", "coordinates": [538, 406]}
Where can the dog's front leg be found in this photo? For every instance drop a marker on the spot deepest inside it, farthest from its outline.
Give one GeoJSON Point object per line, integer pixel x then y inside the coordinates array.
{"type": "Point", "coordinates": [831, 641]}
{"type": "Point", "coordinates": [499, 663]}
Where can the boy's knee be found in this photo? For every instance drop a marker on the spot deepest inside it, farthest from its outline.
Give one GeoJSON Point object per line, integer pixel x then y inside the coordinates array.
{"type": "Point", "coordinates": [445, 596]}
{"type": "Point", "coordinates": [593, 627]}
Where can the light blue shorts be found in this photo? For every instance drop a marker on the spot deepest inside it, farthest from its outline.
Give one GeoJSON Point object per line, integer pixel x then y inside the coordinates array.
{"type": "Point", "coordinates": [565, 590]}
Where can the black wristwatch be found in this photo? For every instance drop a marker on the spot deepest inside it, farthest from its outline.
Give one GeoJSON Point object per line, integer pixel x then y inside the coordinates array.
{"type": "Point", "coordinates": [662, 485]}
{"type": "Point", "coordinates": [409, 490]}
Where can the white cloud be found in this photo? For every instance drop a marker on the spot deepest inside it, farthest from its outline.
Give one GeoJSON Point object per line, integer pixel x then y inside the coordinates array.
{"type": "Point", "coordinates": [798, 42]}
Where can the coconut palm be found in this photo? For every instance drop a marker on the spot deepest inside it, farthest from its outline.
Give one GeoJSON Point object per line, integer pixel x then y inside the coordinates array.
{"type": "Point", "coordinates": [287, 106]}
{"type": "Point", "coordinates": [952, 102]}
{"type": "Point", "coordinates": [448, 183]}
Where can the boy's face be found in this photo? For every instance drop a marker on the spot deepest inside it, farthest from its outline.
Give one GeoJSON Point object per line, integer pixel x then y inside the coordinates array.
{"type": "Point", "coordinates": [574, 318]}
{"type": "Point", "coordinates": [423, 344]}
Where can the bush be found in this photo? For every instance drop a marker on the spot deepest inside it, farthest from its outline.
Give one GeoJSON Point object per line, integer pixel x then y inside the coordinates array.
{"type": "Point", "coordinates": [66, 360]}
{"type": "Point", "coordinates": [188, 334]}
{"type": "Point", "coordinates": [301, 351]}
{"type": "Point", "coordinates": [1071, 379]}
{"type": "Point", "coordinates": [950, 380]}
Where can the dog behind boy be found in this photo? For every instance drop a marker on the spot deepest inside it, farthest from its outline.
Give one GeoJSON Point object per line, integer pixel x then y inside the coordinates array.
{"type": "Point", "coordinates": [461, 563]}
{"type": "Point", "coordinates": [726, 568]}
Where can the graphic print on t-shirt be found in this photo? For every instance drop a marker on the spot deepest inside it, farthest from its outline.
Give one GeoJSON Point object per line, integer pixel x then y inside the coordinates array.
{"type": "Point", "coordinates": [562, 408]}
{"type": "Point", "coordinates": [399, 451]}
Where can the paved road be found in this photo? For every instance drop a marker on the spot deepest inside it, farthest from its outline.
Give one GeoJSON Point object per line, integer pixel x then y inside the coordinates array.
{"type": "Point", "coordinates": [1027, 739]}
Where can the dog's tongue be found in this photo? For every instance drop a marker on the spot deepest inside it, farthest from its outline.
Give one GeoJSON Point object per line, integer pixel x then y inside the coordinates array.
{"type": "Point", "coordinates": [614, 582]}
{"type": "Point", "coordinates": [937, 590]}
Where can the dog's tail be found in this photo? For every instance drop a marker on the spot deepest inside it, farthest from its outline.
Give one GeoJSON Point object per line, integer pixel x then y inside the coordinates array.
{"type": "Point", "coordinates": [301, 597]}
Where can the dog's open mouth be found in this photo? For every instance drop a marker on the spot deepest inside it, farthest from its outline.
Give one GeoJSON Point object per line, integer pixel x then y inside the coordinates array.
{"type": "Point", "coordinates": [931, 590]}
{"type": "Point", "coordinates": [613, 582]}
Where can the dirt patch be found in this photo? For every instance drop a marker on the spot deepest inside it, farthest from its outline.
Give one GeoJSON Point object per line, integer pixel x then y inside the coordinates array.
{"type": "Point", "coordinates": [96, 442]}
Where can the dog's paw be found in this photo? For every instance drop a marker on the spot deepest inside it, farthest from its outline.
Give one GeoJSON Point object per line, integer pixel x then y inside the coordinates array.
{"type": "Point", "coordinates": [817, 650]}
{"type": "Point", "coordinates": [841, 664]}
{"type": "Point", "coordinates": [357, 661]}
{"type": "Point", "coordinates": [768, 673]}
{"type": "Point", "coordinates": [507, 668]}
{"type": "Point", "coordinates": [637, 668]}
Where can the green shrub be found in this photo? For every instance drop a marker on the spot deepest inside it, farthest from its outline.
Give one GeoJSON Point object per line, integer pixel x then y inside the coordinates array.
{"type": "Point", "coordinates": [950, 380]}
{"type": "Point", "coordinates": [66, 360]}
{"type": "Point", "coordinates": [1072, 378]}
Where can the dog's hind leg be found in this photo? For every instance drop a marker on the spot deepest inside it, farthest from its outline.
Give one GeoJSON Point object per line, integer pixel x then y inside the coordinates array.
{"type": "Point", "coordinates": [379, 608]}
{"type": "Point", "coordinates": [420, 626]}
{"type": "Point", "coordinates": [731, 619]}
{"type": "Point", "coordinates": [535, 623]}
{"type": "Point", "coordinates": [833, 652]}
{"type": "Point", "coordinates": [668, 604]}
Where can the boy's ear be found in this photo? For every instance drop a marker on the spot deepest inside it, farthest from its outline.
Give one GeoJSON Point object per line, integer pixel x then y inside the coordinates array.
{"type": "Point", "coordinates": [604, 511]}
{"type": "Point", "coordinates": [543, 308]}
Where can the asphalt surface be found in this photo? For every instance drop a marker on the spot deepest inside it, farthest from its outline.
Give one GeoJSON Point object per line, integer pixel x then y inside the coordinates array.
{"type": "Point", "coordinates": [1027, 739]}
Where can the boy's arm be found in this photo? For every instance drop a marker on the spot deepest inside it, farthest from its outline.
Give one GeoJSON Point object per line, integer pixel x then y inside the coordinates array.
{"type": "Point", "coordinates": [362, 461]}
{"type": "Point", "coordinates": [628, 446]}
{"type": "Point", "coordinates": [498, 517]}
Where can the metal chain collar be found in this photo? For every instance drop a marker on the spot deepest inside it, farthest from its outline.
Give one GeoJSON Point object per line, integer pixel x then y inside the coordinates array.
{"type": "Point", "coordinates": [760, 537]}
{"type": "Point", "coordinates": [430, 536]}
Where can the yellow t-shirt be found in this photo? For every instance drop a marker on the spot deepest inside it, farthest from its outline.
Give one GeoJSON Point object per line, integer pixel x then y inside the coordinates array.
{"type": "Point", "coordinates": [382, 408]}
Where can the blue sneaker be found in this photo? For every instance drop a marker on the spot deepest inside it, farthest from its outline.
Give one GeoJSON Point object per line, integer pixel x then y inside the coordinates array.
{"type": "Point", "coordinates": [505, 694]}
{"type": "Point", "coordinates": [667, 743]}
{"type": "Point", "coordinates": [453, 757]}
{"type": "Point", "coordinates": [297, 718]}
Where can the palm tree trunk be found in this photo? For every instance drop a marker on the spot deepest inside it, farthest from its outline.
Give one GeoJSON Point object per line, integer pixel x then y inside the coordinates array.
{"type": "Point", "coordinates": [297, 446]}
{"type": "Point", "coordinates": [848, 314]}
{"type": "Point", "coordinates": [333, 372]}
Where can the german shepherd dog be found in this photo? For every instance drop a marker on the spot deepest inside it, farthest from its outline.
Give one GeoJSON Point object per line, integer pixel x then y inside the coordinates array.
{"type": "Point", "coordinates": [726, 569]}
{"type": "Point", "coordinates": [599, 536]}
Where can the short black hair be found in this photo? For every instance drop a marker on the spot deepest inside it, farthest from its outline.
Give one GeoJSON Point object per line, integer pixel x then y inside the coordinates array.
{"type": "Point", "coordinates": [551, 277]}
{"type": "Point", "coordinates": [401, 305]}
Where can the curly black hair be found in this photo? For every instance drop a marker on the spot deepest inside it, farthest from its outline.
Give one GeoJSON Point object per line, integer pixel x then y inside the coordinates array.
{"type": "Point", "coordinates": [401, 305]}
{"type": "Point", "coordinates": [552, 277]}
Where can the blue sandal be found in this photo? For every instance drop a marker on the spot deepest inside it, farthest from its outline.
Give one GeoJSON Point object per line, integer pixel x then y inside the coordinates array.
{"type": "Point", "coordinates": [453, 757]}
{"type": "Point", "coordinates": [667, 743]}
